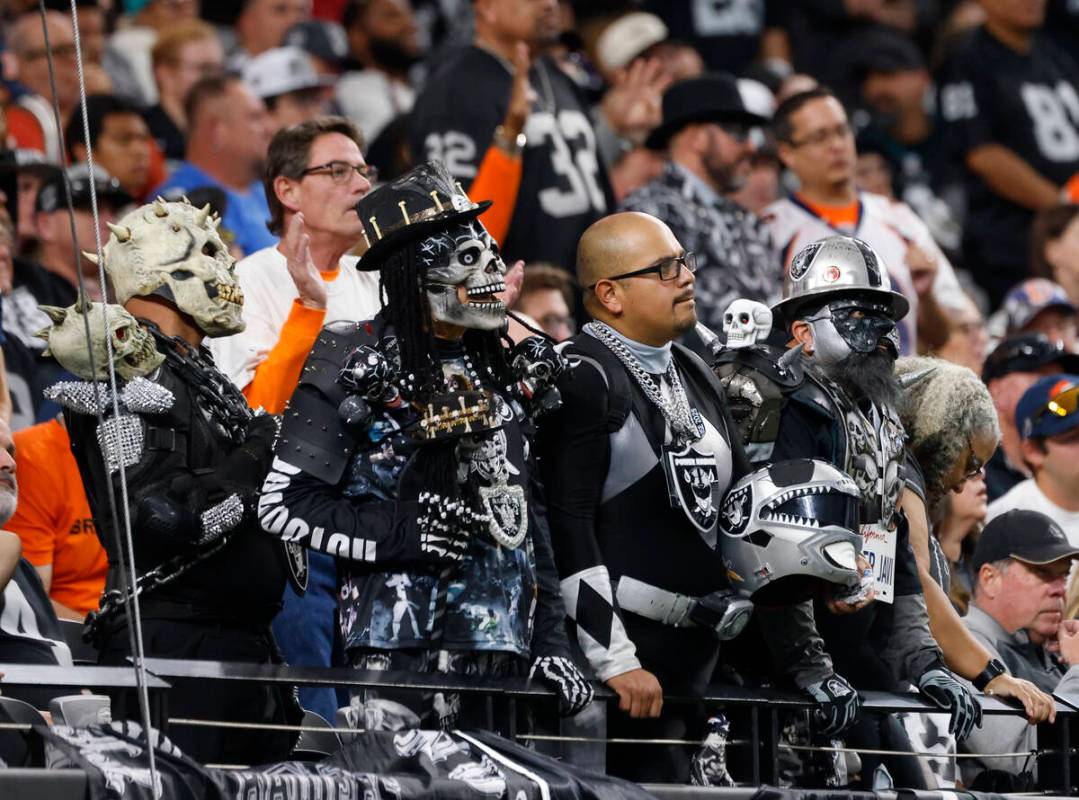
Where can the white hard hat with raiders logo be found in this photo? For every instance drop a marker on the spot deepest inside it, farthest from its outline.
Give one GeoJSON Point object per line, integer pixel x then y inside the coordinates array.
{"type": "Point", "coordinates": [835, 266]}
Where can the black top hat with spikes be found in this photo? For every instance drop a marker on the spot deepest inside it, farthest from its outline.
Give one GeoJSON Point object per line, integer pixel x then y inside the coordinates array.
{"type": "Point", "coordinates": [423, 200]}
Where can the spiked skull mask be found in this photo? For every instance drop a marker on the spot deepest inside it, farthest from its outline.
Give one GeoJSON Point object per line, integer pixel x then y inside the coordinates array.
{"type": "Point", "coordinates": [173, 251]}
{"type": "Point", "coordinates": [134, 352]}
{"type": "Point", "coordinates": [463, 271]}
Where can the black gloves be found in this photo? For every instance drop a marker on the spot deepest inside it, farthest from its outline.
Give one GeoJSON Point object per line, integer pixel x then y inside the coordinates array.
{"type": "Point", "coordinates": [562, 675]}
{"type": "Point", "coordinates": [837, 705]}
{"type": "Point", "coordinates": [942, 688]}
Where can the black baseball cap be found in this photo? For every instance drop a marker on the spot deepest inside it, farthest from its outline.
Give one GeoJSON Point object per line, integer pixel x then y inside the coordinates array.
{"type": "Point", "coordinates": [1027, 536]}
{"type": "Point", "coordinates": [50, 197]}
{"type": "Point", "coordinates": [1027, 352]}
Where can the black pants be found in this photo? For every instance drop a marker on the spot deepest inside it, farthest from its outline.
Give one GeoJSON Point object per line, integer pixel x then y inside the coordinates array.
{"type": "Point", "coordinates": [682, 659]}
{"type": "Point", "coordinates": [885, 732]}
{"type": "Point", "coordinates": [233, 701]}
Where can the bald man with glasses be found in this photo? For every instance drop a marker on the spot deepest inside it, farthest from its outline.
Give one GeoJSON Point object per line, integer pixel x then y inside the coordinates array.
{"type": "Point", "coordinates": [635, 463]}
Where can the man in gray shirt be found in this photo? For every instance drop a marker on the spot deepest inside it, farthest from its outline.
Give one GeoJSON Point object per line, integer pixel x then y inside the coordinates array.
{"type": "Point", "coordinates": [1021, 562]}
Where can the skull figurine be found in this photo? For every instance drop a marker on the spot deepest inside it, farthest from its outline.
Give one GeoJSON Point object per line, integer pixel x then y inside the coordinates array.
{"type": "Point", "coordinates": [463, 273]}
{"type": "Point", "coordinates": [746, 321]}
{"type": "Point", "coordinates": [134, 352]}
{"type": "Point", "coordinates": [173, 251]}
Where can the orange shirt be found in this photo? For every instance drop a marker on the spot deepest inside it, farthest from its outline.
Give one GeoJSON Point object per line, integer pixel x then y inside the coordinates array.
{"type": "Point", "coordinates": [498, 179]}
{"type": "Point", "coordinates": [53, 518]}
{"type": "Point", "coordinates": [277, 376]}
{"type": "Point", "coordinates": [839, 217]}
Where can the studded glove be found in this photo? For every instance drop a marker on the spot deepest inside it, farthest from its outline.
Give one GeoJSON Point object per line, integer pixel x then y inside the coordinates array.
{"type": "Point", "coordinates": [837, 705]}
{"type": "Point", "coordinates": [942, 688]}
{"type": "Point", "coordinates": [574, 690]}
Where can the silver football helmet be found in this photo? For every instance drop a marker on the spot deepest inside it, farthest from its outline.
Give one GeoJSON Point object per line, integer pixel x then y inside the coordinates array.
{"type": "Point", "coordinates": [788, 526]}
{"type": "Point", "coordinates": [833, 266]}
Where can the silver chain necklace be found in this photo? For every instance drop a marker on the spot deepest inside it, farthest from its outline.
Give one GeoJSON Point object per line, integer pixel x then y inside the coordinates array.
{"type": "Point", "coordinates": [686, 423]}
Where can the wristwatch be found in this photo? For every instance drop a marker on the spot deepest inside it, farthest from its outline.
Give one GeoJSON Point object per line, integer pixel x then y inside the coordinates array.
{"type": "Point", "coordinates": [992, 670]}
{"type": "Point", "coordinates": [510, 146]}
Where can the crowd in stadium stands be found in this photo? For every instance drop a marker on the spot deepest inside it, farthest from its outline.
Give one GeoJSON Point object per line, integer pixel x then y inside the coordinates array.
{"type": "Point", "coordinates": [944, 135]}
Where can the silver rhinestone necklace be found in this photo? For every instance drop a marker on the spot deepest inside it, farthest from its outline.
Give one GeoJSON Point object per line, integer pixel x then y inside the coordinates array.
{"type": "Point", "coordinates": [685, 422]}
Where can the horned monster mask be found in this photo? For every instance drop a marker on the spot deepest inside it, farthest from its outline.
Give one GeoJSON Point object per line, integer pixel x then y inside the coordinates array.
{"type": "Point", "coordinates": [462, 273]}
{"type": "Point", "coordinates": [173, 251]}
{"type": "Point", "coordinates": [134, 353]}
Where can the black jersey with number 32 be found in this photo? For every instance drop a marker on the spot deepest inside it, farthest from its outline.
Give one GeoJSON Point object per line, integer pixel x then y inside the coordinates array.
{"type": "Point", "coordinates": [1029, 103]}
{"type": "Point", "coordinates": [563, 186]}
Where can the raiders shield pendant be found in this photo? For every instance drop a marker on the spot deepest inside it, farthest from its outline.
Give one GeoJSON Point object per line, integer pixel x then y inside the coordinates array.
{"type": "Point", "coordinates": [296, 558]}
{"type": "Point", "coordinates": [692, 475]}
{"type": "Point", "coordinates": [509, 513]}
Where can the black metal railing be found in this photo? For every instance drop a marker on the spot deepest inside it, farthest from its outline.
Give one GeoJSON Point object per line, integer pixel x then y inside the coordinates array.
{"type": "Point", "coordinates": [757, 714]}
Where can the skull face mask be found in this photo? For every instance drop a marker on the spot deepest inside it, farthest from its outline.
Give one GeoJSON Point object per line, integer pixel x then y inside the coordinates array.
{"type": "Point", "coordinates": [463, 271]}
{"type": "Point", "coordinates": [134, 352]}
{"type": "Point", "coordinates": [173, 251]}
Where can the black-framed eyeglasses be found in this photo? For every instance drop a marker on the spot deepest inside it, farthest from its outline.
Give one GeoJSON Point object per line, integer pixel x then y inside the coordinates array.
{"type": "Point", "coordinates": [341, 171]}
{"type": "Point", "coordinates": [824, 135]}
{"type": "Point", "coordinates": [668, 269]}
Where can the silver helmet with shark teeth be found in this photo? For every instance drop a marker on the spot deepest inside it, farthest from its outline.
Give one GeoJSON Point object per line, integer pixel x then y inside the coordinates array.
{"type": "Point", "coordinates": [788, 526]}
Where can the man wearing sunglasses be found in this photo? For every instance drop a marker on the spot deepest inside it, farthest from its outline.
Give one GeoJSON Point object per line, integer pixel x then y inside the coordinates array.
{"type": "Point", "coordinates": [1047, 417]}
{"type": "Point", "coordinates": [315, 175]}
{"type": "Point", "coordinates": [708, 132]}
{"type": "Point", "coordinates": [635, 464]}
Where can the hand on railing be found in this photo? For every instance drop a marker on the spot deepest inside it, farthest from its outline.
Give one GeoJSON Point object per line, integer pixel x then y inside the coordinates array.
{"type": "Point", "coordinates": [562, 675]}
{"type": "Point", "coordinates": [941, 687]}
{"type": "Point", "coordinates": [837, 705]}
{"type": "Point", "coordinates": [639, 693]}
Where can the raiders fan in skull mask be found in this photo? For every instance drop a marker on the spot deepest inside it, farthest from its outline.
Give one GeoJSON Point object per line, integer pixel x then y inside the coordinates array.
{"type": "Point", "coordinates": [635, 464]}
{"type": "Point", "coordinates": [405, 453]}
{"type": "Point", "coordinates": [837, 403]}
{"type": "Point", "coordinates": [192, 456]}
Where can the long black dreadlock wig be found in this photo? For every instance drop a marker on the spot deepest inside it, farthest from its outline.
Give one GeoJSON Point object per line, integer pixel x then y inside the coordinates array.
{"type": "Point", "coordinates": [408, 314]}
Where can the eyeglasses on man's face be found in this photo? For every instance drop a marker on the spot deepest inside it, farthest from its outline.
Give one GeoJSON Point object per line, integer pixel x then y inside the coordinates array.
{"type": "Point", "coordinates": [668, 269]}
{"type": "Point", "coordinates": [341, 171]}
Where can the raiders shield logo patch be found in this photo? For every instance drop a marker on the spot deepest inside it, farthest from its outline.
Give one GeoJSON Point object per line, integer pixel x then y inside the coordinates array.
{"type": "Point", "coordinates": [296, 557]}
{"type": "Point", "coordinates": [691, 481]}
{"type": "Point", "coordinates": [737, 509]}
{"type": "Point", "coordinates": [509, 513]}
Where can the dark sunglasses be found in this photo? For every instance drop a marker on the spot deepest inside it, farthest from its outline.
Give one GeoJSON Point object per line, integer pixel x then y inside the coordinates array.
{"type": "Point", "coordinates": [668, 269]}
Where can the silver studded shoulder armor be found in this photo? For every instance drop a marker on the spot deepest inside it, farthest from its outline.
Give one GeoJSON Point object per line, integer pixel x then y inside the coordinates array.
{"type": "Point", "coordinates": [314, 436]}
{"type": "Point", "coordinates": [121, 437]}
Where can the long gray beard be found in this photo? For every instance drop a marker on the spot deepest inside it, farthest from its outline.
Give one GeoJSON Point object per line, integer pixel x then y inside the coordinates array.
{"type": "Point", "coordinates": [868, 375]}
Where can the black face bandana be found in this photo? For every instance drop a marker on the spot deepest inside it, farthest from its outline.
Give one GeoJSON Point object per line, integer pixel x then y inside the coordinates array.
{"type": "Point", "coordinates": [862, 326]}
